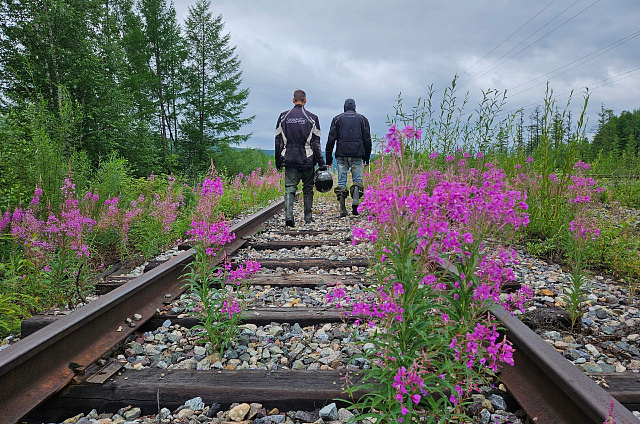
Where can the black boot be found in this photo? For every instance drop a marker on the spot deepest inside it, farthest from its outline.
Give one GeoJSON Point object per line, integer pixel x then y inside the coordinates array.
{"type": "Point", "coordinates": [341, 194]}
{"type": "Point", "coordinates": [356, 192]}
{"type": "Point", "coordinates": [308, 208]}
{"type": "Point", "coordinates": [288, 209]}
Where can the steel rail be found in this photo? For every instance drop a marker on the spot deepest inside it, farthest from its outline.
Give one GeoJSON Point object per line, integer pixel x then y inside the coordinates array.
{"type": "Point", "coordinates": [547, 386]}
{"type": "Point", "coordinates": [41, 364]}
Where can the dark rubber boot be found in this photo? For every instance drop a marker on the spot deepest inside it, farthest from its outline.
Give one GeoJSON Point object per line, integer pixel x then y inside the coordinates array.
{"type": "Point", "coordinates": [308, 208]}
{"type": "Point", "coordinates": [288, 210]}
{"type": "Point", "coordinates": [341, 195]}
{"type": "Point", "coordinates": [356, 191]}
{"type": "Point", "coordinates": [343, 207]}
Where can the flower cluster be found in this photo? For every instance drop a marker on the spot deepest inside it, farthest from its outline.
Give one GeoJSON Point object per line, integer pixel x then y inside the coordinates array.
{"type": "Point", "coordinates": [394, 138]}
{"type": "Point", "coordinates": [242, 272]}
{"type": "Point", "coordinates": [438, 275]}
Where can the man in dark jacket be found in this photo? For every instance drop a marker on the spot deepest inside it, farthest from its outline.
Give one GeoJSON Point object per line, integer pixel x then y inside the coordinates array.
{"type": "Point", "coordinates": [351, 134]}
{"type": "Point", "coordinates": [298, 150]}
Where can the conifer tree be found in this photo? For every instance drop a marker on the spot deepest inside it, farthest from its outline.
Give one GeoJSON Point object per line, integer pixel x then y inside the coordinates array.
{"type": "Point", "coordinates": [213, 99]}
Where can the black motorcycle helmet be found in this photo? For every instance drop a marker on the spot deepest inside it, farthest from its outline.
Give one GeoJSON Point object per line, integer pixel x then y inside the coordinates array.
{"type": "Point", "coordinates": [323, 181]}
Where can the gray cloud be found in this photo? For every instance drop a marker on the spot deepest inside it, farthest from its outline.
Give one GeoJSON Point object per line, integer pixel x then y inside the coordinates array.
{"type": "Point", "coordinates": [371, 51]}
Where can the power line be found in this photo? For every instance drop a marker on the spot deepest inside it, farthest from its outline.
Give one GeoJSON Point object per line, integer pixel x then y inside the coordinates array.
{"type": "Point", "coordinates": [599, 52]}
{"type": "Point", "coordinates": [507, 39]}
{"type": "Point", "coordinates": [593, 86]}
{"type": "Point", "coordinates": [482, 73]}
{"type": "Point", "coordinates": [520, 43]}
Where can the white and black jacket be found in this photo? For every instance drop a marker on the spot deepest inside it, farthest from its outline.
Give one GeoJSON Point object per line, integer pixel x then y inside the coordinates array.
{"type": "Point", "coordinates": [298, 139]}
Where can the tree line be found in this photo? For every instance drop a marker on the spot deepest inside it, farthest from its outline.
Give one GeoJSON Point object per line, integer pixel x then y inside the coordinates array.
{"type": "Point", "coordinates": [618, 134]}
{"type": "Point", "coordinates": [82, 79]}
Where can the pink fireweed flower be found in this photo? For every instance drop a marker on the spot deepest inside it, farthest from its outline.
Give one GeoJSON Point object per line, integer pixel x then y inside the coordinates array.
{"type": "Point", "coordinates": [5, 220]}
{"type": "Point", "coordinates": [433, 155]}
{"type": "Point", "coordinates": [36, 196]}
{"type": "Point", "coordinates": [529, 159]}
{"type": "Point", "coordinates": [450, 158]}
{"type": "Point", "coordinates": [230, 307]}
{"type": "Point", "coordinates": [213, 234]}
{"type": "Point", "coordinates": [394, 141]}
{"type": "Point", "coordinates": [582, 165]}
{"type": "Point", "coordinates": [584, 230]}
{"type": "Point", "coordinates": [243, 272]}
{"type": "Point", "coordinates": [410, 132]}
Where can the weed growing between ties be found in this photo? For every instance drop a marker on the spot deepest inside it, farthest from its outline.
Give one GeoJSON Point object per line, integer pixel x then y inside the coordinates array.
{"type": "Point", "coordinates": [219, 291]}
{"type": "Point", "coordinates": [435, 340]}
{"type": "Point", "coordinates": [583, 229]}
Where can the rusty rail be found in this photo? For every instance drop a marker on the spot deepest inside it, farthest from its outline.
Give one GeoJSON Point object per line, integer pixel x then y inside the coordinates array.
{"type": "Point", "coordinates": [550, 388]}
{"type": "Point", "coordinates": [43, 363]}
{"type": "Point", "coordinates": [547, 386]}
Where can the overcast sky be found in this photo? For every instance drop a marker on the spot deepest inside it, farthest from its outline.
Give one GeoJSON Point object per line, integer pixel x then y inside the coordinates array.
{"type": "Point", "coordinates": [373, 50]}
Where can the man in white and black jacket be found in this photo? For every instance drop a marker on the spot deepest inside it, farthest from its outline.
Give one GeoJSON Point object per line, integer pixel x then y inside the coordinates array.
{"type": "Point", "coordinates": [351, 135]}
{"type": "Point", "coordinates": [298, 151]}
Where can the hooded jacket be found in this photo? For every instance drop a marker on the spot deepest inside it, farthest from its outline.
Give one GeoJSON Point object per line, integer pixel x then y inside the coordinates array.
{"type": "Point", "coordinates": [298, 139]}
{"type": "Point", "coordinates": [350, 133]}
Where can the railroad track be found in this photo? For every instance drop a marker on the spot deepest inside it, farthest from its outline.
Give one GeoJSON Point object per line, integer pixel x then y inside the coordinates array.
{"type": "Point", "coordinates": [59, 371]}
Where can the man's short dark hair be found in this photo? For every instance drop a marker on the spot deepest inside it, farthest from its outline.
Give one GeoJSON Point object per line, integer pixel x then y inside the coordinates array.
{"type": "Point", "coordinates": [299, 96]}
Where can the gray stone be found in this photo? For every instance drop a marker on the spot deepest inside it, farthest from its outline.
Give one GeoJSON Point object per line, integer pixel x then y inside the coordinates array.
{"type": "Point", "coordinates": [329, 412]}
{"type": "Point", "coordinates": [571, 354]}
{"type": "Point", "coordinates": [276, 330]}
{"type": "Point", "coordinates": [132, 414]}
{"type": "Point", "coordinates": [553, 335]}
{"type": "Point", "coordinates": [602, 313]}
{"type": "Point", "coordinates": [231, 354]}
{"type": "Point", "coordinates": [271, 419]}
{"type": "Point", "coordinates": [187, 364]}
{"type": "Point", "coordinates": [150, 350]}
{"type": "Point", "coordinates": [369, 346]}
{"type": "Point", "coordinates": [195, 404]}
{"type": "Point", "coordinates": [164, 414]}
{"type": "Point", "coordinates": [306, 417]}
{"type": "Point", "coordinates": [254, 410]}
{"type": "Point", "coordinates": [497, 402]}
{"type": "Point", "coordinates": [485, 416]}
{"type": "Point", "coordinates": [591, 367]}
{"type": "Point", "coordinates": [199, 351]}
{"type": "Point", "coordinates": [167, 323]}
{"type": "Point", "coordinates": [214, 409]}
{"type": "Point", "coordinates": [344, 415]}
{"type": "Point", "coordinates": [276, 350]}
{"type": "Point", "coordinates": [499, 419]}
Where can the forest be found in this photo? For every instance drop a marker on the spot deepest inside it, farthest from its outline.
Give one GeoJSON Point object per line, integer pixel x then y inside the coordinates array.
{"type": "Point", "coordinates": [88, 82]}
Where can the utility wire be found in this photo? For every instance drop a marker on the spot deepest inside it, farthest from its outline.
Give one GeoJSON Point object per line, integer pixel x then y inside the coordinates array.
{"type": "Point", "coordinates": [483, 72]}
{"type": "Point", "coordinates": [599, 52]}
{"type": "Point", "coordinates": [507, 39]}
{"type": "Point", "coordinates": [593, 86]}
